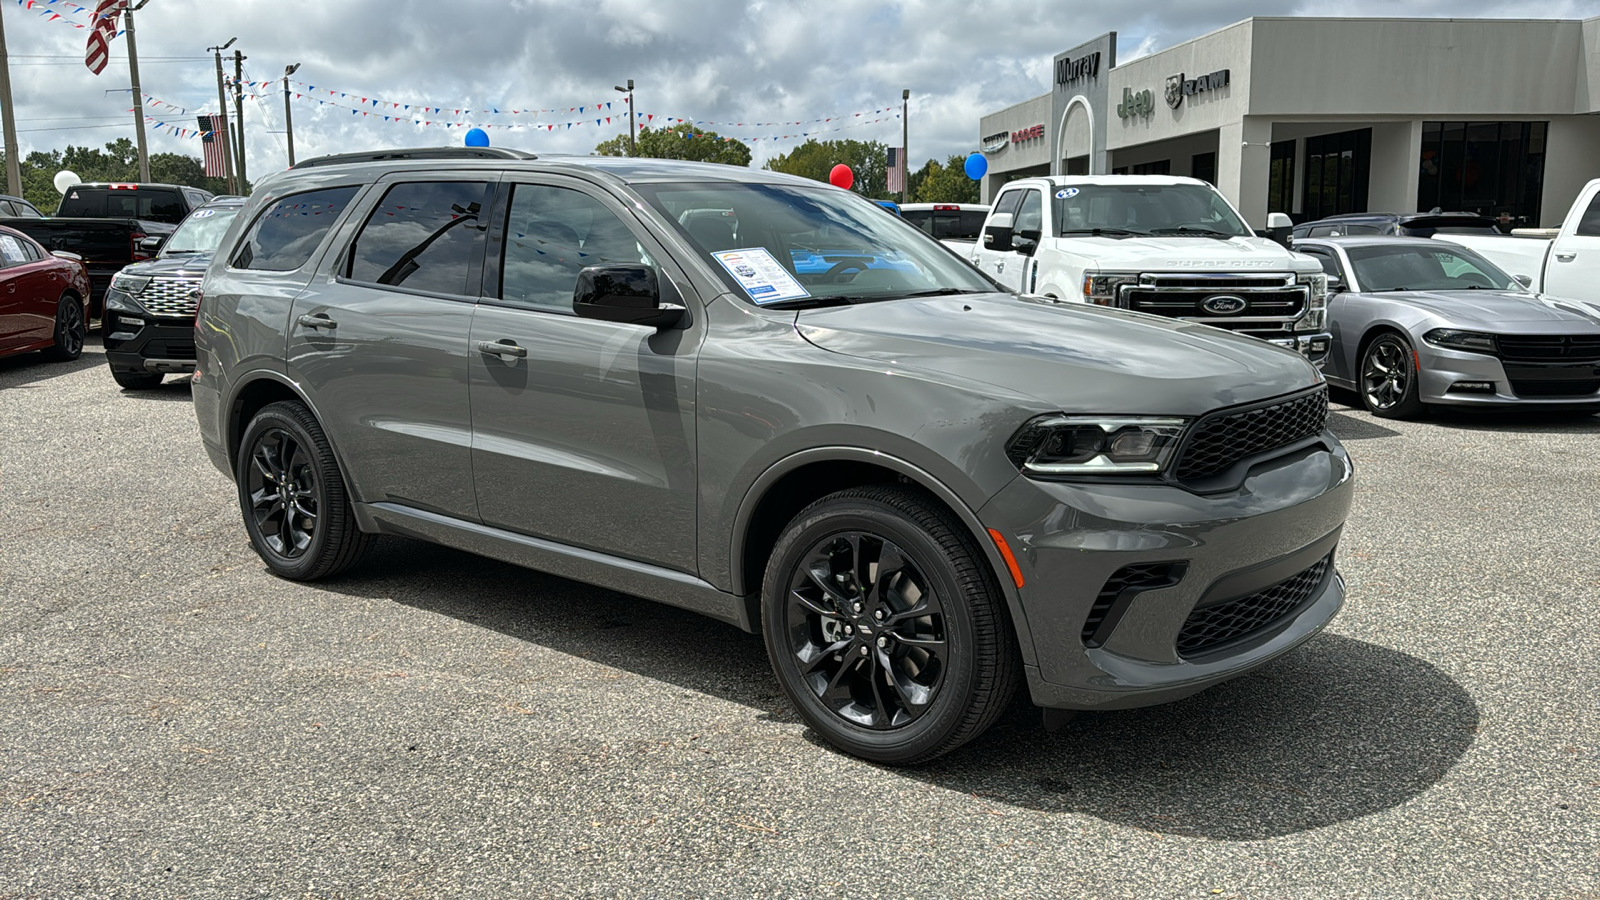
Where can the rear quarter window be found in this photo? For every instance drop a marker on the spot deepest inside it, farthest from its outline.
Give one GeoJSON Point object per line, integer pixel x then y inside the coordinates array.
{"type": "Point", "coordinates": [286, 233]}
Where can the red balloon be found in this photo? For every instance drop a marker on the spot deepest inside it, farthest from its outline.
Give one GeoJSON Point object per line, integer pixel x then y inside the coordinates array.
{"type": "Point", "coordinates": [842, 177]}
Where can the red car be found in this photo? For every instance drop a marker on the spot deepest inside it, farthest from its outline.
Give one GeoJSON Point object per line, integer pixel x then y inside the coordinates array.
{"type": "Point", "coordinates": [44, 299]}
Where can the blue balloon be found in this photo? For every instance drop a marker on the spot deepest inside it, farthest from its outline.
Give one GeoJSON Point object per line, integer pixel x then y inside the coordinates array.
{"type": "Point", "coordinates": [977, 166]}
{"type": "Point", "coordinates": [477, 137]}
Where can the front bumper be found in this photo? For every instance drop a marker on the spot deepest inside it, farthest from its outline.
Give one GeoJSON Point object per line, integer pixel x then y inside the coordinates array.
{"type": "Point", "coordinates": [1444, 372]}
{"type": "Point", "coordinates": [142, 343]}
{"type": "Point", "coordinates": [1228, 548]}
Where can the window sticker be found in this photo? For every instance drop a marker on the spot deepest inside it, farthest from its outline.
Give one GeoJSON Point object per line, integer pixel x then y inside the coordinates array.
{"type": "Point", "coordinates": [11, 250]}
{"type": "Point", "coordinates": [762, 277]}
{"type": "Point", "coordinates": [1066, 193]}
{"type": "Point", "coordinates": [205, 214]}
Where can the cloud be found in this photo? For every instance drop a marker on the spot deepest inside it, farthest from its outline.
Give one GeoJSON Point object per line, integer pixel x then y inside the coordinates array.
{"type": "Point", "coordinates": [717, 60]}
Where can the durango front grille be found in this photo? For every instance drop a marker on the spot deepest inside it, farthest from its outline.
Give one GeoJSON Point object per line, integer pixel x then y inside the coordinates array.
{"type": "Point", "coordinates": [1210, 627]}
{"type": "Point", "coordinates": [1550, 347]}
{"type": "Point", "coordinates": [1119, 590]}
{"type": "Point", "coordinates": [170, 297]}
{"type": "Point", "coordinates": [1223, 439]}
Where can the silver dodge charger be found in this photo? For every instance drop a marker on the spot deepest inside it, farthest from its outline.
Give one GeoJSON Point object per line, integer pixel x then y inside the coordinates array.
{"type": "Point", "coordinates": [1420, 322]}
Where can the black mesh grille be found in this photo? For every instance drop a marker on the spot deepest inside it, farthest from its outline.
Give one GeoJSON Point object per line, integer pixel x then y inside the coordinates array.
{"type": "Point", "coordinates": [1550, 347]}
{"type": "Point", "coordinates": [1213, 626]}
{"type": "Point", "coordinates": [1147, 576]}
{"type": "Point", "coordinates": [1222, 440]}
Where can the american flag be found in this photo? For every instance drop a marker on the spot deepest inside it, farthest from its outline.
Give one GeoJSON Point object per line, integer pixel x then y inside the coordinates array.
{"type": "Point", "coordinates": [897, 169]}
{"type": "Point", "coordinates": [98, 53]}
{"type": "Point", "coordinates": [214, 144]}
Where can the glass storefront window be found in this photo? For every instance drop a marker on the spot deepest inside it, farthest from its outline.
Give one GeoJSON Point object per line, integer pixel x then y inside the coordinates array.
{"type": "Point", "coordinates": [1336, 173]}
{"type": "Point", "coordinates": [1280, 178]}
{"type": "Point", "coordinates": [1494, 168]}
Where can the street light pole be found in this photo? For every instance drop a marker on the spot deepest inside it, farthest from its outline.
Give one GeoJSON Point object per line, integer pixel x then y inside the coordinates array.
{"type": "Point", "coordinates": [222, 114]}
{"type": "Point", "coordinates": [138, 93]}
{"type": "Point", "coordinates": [905, 158]}
{"type": "Point", "coordinates": [633, 147]}
{"type": "Point", "coordinates": [9, 114]}
{"type": "Point", "coordinates": [238, 106]}
{"type": "Point", "coordinates": [288, 111]}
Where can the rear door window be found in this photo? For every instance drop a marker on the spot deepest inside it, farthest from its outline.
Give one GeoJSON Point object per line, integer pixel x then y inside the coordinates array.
{"type": "Point", "coordinates": [285, 235]}
{"type": "Point", "coordinates": [423, 236]}
{"type": "Point", "coordinates": [552, 233]}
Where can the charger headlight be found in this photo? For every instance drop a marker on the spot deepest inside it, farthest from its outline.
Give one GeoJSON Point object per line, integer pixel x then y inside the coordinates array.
{"type": "Point", "coordinates": [1095, 445]}
{"type": "Point", "coordinates": [1453, 339]}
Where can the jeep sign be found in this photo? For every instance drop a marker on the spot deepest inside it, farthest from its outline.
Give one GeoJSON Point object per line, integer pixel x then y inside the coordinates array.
{"type": "Point", "coordinates": [1136, 103]}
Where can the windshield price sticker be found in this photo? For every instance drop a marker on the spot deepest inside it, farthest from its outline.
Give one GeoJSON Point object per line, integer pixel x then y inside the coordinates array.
{"type": "Point", "coordinates": [205, 214]}
{"type": "Point", "coordinates": [1066, 193]}
{"type": "Point", "coordinates": [11, 250]}
{"type": "Point", "coordinates": [761, 276]}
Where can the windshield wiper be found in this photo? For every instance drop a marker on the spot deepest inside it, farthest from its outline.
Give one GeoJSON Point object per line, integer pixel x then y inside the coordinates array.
{"type": "Point", "coordinates": [181, 252]}
{"type": "Point", "coordinates": [813, 302]}
{"type": "Point", "coordinates": [1100, 231]}
{"type": "Point", "coordinates": [1190, 229]}
{"type": "Point", "coordinates": [936, 292]}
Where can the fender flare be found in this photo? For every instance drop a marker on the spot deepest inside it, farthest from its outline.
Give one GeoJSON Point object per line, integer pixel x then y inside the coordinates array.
{"type": "Point", "coordinates": [278, 378]}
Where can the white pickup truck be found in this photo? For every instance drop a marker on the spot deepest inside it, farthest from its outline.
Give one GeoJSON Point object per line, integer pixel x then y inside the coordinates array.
{"type": "Point", "coordinates": [1563, 263]}
{"type": "Point", "coordinates": [1162, 245]}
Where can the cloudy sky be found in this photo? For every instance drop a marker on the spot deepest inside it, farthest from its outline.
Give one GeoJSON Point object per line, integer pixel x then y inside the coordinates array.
{"type": "Point", "coordinates": [717, 60]}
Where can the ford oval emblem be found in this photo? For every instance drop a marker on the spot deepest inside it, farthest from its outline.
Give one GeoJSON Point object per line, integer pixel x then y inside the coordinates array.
{"type": "Point", "coordinates": [1223, 305]}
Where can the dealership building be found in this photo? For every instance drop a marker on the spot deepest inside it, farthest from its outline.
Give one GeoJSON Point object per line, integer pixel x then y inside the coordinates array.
{"type": "Point", "coordinates": [1314, 117]}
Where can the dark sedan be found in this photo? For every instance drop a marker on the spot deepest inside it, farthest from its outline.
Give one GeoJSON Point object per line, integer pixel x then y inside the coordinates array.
{"type": "Point", "coordinates": [1419, 322]}
{"type": "Point", "coordinates": [43, 299]}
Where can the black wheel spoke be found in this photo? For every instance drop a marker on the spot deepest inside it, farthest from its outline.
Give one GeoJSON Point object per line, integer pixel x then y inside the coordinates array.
{"type": "Point", "coordinates": [282, 493]}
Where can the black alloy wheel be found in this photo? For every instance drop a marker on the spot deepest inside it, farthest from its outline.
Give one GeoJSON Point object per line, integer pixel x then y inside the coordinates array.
{"type": "Point", "coordinates": [71, 331]}
{"type": "Point", "coordinates": [293, 497]}
{"type": "Point", "coordinates": [886, 627]}
{"type": "Point", "coordinates": [1389, 378]}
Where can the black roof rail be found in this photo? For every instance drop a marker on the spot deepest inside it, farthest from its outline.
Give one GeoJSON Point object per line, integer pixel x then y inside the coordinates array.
{"type": "Point", "coordinates": [416, 153]}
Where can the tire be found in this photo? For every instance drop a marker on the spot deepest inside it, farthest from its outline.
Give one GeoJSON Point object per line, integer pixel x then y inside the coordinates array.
{"type": "Point", "coordinates": [1387, 381]}
{"type": "Point", "coordinates": [71, 331]}
{"type": "Point", "coordinates": [899, 689]}
{"type": "Point", "coordinates": [137, 381]}
{"type": "Point", "coordinates": [285, 462]}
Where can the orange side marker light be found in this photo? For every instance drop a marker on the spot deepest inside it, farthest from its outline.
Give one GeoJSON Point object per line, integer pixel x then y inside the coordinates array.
{"type": "Point", "coordinates": [1005, 553]}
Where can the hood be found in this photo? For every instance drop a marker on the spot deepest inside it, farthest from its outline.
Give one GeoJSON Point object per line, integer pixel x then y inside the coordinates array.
{"type": "Point", "coordinates": [187, 265]}
{"type": "Point", "coordinates": [1495, 311]}
{"type": "Point", "coordinates": [1184, 254]}
{"type": "Point", "coordinates": [1072, 356]}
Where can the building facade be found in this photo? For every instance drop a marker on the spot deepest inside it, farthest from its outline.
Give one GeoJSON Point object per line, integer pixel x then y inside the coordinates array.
{"type": "Point", "coordinates": [1317, 116]}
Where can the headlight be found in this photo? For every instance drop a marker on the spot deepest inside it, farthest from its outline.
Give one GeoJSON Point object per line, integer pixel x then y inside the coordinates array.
{"type": "Point", "coordinates": [117, 300]}
{"type": "Point", "coordinates": [129, 284]}
{"type": "Point", "coordinates": [1316, 315]}
{"type": "Point", "coordinates": [1095, 445]}
{"type": "Point", "coordinates": [1461, 340]}
{"type": "Point", "coordinates": [1101, 290]}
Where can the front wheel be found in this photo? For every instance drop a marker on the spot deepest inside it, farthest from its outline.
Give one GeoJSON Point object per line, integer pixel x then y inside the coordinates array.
{"type": "Point", "coordinates": [71, 331]}
{"type": "Point", "coordinates": [1389, 375]}
{"type": "Point", "coordinates": [886, 627]}
{"type": "Point", "coordinates": [296, 510]}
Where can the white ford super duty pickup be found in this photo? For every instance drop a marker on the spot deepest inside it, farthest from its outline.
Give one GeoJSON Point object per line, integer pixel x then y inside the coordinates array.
{"type": "Point", "coordinates": [1162, 245]}
{"type": "Point", "coordinates": [1562, 263]}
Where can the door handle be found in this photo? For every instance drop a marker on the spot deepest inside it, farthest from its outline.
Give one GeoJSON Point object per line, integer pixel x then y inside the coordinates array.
{"type": "Point", "coordinates": [502, 348]}
{"type": "Point", "coordinates": [317, 321]}
{"type": "Point", "coordinates": [1566, 256]}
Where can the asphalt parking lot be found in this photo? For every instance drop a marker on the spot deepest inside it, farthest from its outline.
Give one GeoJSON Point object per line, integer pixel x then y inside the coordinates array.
{"type": "Point", "coordinates": [176, 722]}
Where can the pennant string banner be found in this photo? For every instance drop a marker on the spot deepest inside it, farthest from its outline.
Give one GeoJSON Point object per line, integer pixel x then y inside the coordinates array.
{"type": "Point", "coordinates": [61, 11]}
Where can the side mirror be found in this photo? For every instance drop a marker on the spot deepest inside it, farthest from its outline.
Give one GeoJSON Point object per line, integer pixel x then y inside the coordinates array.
{"type": "Point", "coordinates": [1280, 228]}
{"type": "Point", "coordinates": [1025, 242]}
{"type": "Point", "coordinates": [626, 294]}
{"type": "Point", "coordinates": [1335, 284]}
{"type": "Point", "coordinates": [997, 233]}
{"type": "Point", "coordinates": [1524, 280]}
{"type": "Point", "coordinates": [152, 244]}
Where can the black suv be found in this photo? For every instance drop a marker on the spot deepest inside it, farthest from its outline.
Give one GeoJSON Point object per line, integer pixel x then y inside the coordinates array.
{"type": "Point", "coordinates": [1402, 224]}
{"type": "Point", "coordinates": [149, 318]}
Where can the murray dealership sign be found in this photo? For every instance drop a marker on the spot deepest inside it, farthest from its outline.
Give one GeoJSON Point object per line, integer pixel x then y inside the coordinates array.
{"type": "Point", "coordinates": [1179, 87]}
{"type": "Point", "coordinates": [1083, 68]}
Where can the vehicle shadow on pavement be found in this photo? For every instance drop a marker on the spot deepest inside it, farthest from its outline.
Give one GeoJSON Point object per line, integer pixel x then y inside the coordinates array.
{"type": "Point", "coordinates": [1349, 428]}
{"type": "Point", "coordinates": [174, 388]}
{"type": "Point", "coordinates": [1334, 731]}
{"type": "Point", "coordinates": [30, 368]}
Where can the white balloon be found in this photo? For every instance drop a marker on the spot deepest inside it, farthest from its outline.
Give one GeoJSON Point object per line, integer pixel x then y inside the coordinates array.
{"type": "Point", "coordinates": [64, 179]}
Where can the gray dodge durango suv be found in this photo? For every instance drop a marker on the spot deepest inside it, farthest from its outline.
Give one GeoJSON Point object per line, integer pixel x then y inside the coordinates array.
{"type": "Point", "coordinates": [759, 398]}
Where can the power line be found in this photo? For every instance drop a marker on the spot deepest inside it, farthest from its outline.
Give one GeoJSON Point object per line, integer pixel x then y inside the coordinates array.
{"type": "Point", "coordinates": [72, 128]}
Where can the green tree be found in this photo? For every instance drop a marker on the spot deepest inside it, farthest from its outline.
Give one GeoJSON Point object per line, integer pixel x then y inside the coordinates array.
{"type": "Point", "coordinates": [677, 143]}
{"type": "Point", "coordinates": [948, 183]}
{"type": "Point", "coordinates": [816, 159]}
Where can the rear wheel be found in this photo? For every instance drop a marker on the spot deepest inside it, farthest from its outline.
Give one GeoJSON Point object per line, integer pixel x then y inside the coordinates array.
{"type": "Point", "coordinates": [1389, 375]}
{"type": "Point", "coordinates": [885, 626]}
{"type": "Point", "coordinates": [137, 381]}
{"type": "Point", "coordinates": [71, 330]}
{"type": "Point", "coordinates": [295, 506]}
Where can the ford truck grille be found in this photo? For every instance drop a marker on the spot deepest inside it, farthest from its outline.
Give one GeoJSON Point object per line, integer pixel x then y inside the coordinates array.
{"type": "Point", "coordinates": [170, 297]}
{"type": "Point", "coordinates": [1262, 305]}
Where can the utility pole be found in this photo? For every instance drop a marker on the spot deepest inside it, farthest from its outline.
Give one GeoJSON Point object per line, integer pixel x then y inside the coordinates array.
{"type": "Point", "coordinates": [633, 146]}
{"type": "Point", "coordinates": [238, 106]}
{"type": "Point", "coordinates": [138, 93]}
{"type": "Point", "coordinates": [9, 114]}
{"type": "Point", "coordinates": [905, 159]}
{"type": "Point", "coordinates": [222, 112]}
{"type": "Point", "coordinates": [288, 111]}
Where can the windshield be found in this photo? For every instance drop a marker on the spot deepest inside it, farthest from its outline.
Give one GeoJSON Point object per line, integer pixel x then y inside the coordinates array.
{"type": "Point", "coordinates": [1409, 268]}
{"type": "Point", "coordinates": [789, 245]}
{"type": "Point", "coordinates": [201, 232]}
{"type": "Point", "coordinates": [1142, 209]}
